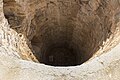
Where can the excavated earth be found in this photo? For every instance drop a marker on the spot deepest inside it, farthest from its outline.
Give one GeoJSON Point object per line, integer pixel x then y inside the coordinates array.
{"type": "Point", "coordinates": [59, 40]}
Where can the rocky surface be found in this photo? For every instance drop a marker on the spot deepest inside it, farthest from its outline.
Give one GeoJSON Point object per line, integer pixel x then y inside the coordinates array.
{"type": "Point", "coordinates": [105, 67]}
{"type": "Point", "coordinates": [34, 29]}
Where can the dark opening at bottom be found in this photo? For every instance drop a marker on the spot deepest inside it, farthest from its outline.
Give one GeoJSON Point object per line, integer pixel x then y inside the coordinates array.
{"type": "Point", "coordinates": [60, 56]}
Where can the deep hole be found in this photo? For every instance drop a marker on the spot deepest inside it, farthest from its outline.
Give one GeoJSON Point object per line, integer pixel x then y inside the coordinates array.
{"type": "Point", "coordinates": [60, 42]}
{"type": "Point", "coordinates": [61, 48]}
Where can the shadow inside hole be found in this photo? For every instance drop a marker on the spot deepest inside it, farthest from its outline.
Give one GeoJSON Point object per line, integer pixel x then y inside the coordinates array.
{"type": "Point", "coordinates": [60, 56]}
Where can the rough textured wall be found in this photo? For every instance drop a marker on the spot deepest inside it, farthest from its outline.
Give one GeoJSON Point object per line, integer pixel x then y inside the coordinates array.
{"type": "Point", "coordinates": [80, 25]}
{"type": "Point", "coordinates": [89, 27]}
{"type": "Point", "coordinates": [12, 43]}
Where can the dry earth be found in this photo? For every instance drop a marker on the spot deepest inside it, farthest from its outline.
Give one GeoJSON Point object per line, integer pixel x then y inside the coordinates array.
{"type": "Point", "coordinates": [59, 40]}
